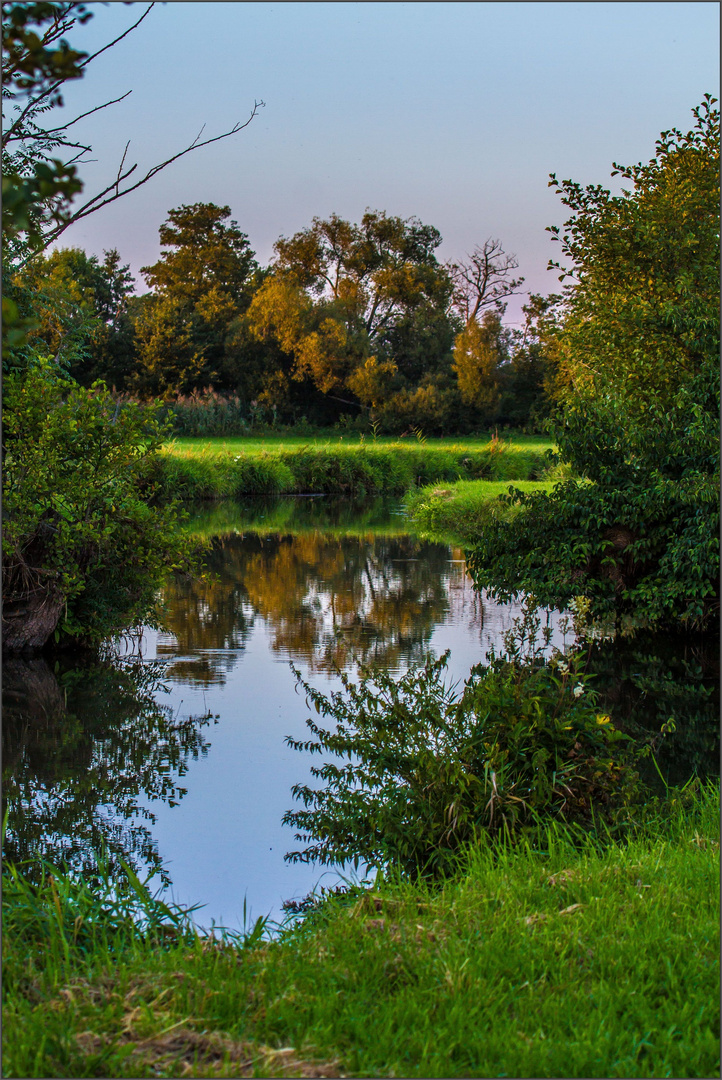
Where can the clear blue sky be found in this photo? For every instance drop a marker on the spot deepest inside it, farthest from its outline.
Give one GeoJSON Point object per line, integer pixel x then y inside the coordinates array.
{"type": "Point", "coordinates": [452, 112]}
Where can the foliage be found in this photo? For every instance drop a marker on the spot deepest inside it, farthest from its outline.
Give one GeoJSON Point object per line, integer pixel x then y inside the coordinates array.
{"type": "Point", "coordinates": [38, 190]}
{"type": "Point", "coordinates": [640, 317]}
{"type": "Point", "coordinates": [80, 538]}
{"type": "Point", "coordinates": [425, 773]}
{"type": "Point", "coordinates": [80, 306]}
{"type": "Point", "coordinates": [640, 540]}
{"type": "Point", "coordinates": [362, 309]}
{"type": "Point", "coordinates": [664, 691]}
{"type": "Point", "coordinates": [37, 187]}
{"type": "Point", "coordinates": [79, 534]}
{"type": "Point", "coordinates": [202, 281]}
{"type": "Point", "coordinates": [42, 156]}
{"type": "Point", "coordinates": [635, 343]}
{"type": "Point", "coordinates": [480, 351]}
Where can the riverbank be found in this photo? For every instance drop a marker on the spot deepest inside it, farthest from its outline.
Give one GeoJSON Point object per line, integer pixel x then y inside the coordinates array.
{"type": "Point", "coordinates": [458, 512]}
{"type": "Point", "coordinates": [240, 468]}
{"type": "Point", "coordinates": [549, 959]}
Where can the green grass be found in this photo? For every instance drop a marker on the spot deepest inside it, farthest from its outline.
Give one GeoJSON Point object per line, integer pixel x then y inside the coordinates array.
{"type": "Point", "coordinates": [560, 960]}
{"type": "Point", "coordinates": [222, 468]}
{"type": "Point", "coordinates": [459, 511]}
{"type": "Point", "coordinates": [254, 444]}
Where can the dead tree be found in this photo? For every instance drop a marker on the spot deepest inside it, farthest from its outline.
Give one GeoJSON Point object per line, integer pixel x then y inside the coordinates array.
{"type": "Point", "coordinates": [483, 282]}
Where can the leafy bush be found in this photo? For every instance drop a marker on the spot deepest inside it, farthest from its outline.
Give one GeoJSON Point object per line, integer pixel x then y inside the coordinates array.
{"type": "Point", "coordinates": [642, 539]}
{"type": "Point", "coordinates": [635, 346]}
{"type": "Point", "coordinates": [424, 772]}
{"type": "Point", "coordinates": [80, 539]}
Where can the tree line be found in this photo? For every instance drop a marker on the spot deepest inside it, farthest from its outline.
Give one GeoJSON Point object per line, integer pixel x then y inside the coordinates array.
{"type": "Point", "coordinates": [356, 320]}
{"type": "Point", "coordinates": [351, 322]}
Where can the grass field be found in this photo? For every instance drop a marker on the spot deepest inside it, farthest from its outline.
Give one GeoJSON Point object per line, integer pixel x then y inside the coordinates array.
{"type": "Point", "coordinates": [553, 959]}
{"type": "Point", "coordinates": [273, 443]}
{"type": "Point", "coordinates": [237, 468]}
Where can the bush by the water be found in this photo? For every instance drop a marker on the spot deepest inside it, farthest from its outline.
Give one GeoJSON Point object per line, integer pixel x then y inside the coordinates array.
{"type": "Point", "coordinates": [424, 772]}
{"type": "Point", "coordinates": [83, 550]}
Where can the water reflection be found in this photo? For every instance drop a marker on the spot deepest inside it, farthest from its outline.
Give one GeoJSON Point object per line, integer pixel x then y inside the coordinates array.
{"type": "Point", "coordinates": [102, 753]}
{"type": "Point", "coordinates": [84, 750]}
{"type": "Point", "coordinates": [329, 601]}
{"type": "Point", "coordinates": [649, 679]}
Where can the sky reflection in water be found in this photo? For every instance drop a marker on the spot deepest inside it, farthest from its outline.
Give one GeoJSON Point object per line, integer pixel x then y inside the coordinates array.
{"type": "Point", "coordinates": [322, 600]}
{"type": "Point", "coordinates": [178, 760]}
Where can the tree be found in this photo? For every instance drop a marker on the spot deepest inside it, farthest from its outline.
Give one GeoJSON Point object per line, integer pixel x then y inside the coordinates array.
{"type": "Point", "coordinates": [640, 312]}
{"type": "Point", "coordinates": [202, 282]}
{"type": "Point", "coordinates": [480, 351]}
{"type": "Point", "coordinates": [636, 340]}
{"type": "Point", "coordinates": [527, 380]}
{"type": "Point", "coordinates": [348, 303]}
{"type": "Point", "coordinates": [483, 281]}
{"type": "Point", "coordinates": [482, 348]}
{"type": "Point", "coordinates": [80, 306]}
{"type": "Point", "coordinates": [83, 551]}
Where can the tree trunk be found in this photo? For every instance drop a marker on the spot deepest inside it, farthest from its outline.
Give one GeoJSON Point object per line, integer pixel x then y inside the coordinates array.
{"type": "Point", "coordinates": [28, 622]}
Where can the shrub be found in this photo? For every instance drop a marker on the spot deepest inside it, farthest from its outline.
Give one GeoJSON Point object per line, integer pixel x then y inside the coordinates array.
{"type": "Point", "coordinates": [425, 772]}
{"type": "Point", "coordinates": [80, 539]}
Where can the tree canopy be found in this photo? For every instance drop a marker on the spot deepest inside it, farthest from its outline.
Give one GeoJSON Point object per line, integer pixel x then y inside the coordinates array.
{"type": "Point", "coordinates": [202, 282]}
{"type": "Point", "coordinates": [635, 343]}
{"type": "Point", "coordinates": [345, 299]}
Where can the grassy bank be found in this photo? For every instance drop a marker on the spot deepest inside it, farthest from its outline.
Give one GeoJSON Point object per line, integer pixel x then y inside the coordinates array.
{"type": "Point", "coordinates": [460, 510]}
{"type": "Point", "coordinates": [236, 468]}
{"type": "Point", "coordinates": [546, 960]}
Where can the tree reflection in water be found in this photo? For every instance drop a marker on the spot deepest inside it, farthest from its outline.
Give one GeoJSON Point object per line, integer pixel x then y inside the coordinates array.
{"type": "Point", "coordinates": [82, 749]}
{"type": "Point", "coordinates": [329, 601]}
{"type": "Point", "coordinates": [87, 750]}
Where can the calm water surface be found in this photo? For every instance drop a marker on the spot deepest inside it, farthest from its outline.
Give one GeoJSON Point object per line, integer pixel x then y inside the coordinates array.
{"type": "Point", "coordinates": [175, 755]}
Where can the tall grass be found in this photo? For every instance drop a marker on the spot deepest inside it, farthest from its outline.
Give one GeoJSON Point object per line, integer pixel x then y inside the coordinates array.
{"type": "Point", "coordinates": [206, 412]}
{"type": "Point", "coordinates": [555, 957]}
{"type": "Point", "coordinates": [359, 470]}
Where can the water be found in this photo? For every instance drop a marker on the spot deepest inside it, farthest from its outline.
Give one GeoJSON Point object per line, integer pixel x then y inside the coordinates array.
{"type": "Point", "coordinates": [172, 750]}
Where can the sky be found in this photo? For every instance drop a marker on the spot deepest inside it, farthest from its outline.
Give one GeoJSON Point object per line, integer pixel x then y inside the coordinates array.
{"type": "Point", "coordinates": [454, 113]}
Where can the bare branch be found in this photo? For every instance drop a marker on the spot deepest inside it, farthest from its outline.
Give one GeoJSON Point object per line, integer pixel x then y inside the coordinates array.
{"type": "Point", "coordinates": [120, 167]}
{"type": "Point", "coordinates": [101, 200]}
{"type": "Point", "coordinates": [67, 25]}
{"type": "Point", "coordinates": [120, 38]}
{"type": "Point", "coordinates": [64, 127]}
{"type": "Point", "coordinates": [483, 281]}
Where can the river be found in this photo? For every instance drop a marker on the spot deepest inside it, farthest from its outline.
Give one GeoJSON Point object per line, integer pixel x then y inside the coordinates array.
{"type": "Point", "coordinates": [170, 749]}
